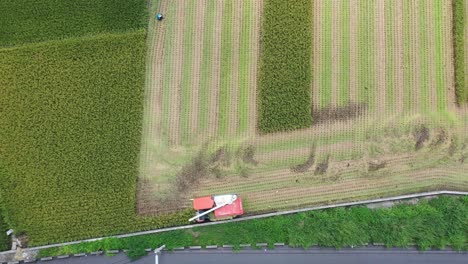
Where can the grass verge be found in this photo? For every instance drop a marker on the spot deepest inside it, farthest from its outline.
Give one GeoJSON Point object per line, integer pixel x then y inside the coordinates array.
{"type": "Point", "coordinates": [430, 224]}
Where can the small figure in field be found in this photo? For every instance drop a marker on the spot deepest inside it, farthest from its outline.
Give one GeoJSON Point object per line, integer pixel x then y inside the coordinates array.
{"type": "Point", "coordinates": [159, 16]}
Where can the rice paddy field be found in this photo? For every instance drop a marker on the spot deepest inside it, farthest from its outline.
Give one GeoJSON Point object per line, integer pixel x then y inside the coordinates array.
{"type": "Point", "coordinates": [385, 118]}
{"type": "Point", "coordinates": [112, 121]}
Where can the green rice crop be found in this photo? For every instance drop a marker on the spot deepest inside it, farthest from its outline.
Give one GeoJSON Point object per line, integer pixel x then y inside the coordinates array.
{"type": "Point", "coordinates": [25, 21]}
{"type": "Point", "coordinates": [285, 68]}
{"type": "Point", "coordinates": [459, 40]}
{"type": "Point", "coordinates": [70, 137]}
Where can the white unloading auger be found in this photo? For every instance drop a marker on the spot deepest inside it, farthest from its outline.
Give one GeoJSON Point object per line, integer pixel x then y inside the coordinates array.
{"type": "Point", "coordinates": [232, 200]}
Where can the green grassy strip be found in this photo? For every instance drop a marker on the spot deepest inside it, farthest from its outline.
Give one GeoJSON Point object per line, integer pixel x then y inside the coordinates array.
{"type": "Point", "coordinates": [25, 21]}
{"type": "Point", "coordinates": [440, 56]}
{"type": "Point", "coordinates": [167, 90]}
{"type": "Point", "coordinates": [407, 59]}
{"type": "Point", "coordinates": [226, 69]}
{"type": "Point", "coordinates": [4, 239]}
{"type": "Point", "coordinates": [423, 56]}
{"type": "Point", "coordinates": [371, 66]}
{"type": "Point", "coordinates": [459, 41]}
{"type": "Point", "coordinates": [363, 52]}
{"type": "Point", "coordinates": [186, 102]}
{"type": "Point", "coordinates": [345, 63]}
{"type": "Point", "coordinates": [206, 68]}
{"type": "Point", "coordinates": [245, 64]}
{"type": "Point", "coordinates": [284, 101]}
{"type": "Point", "coordinates": [327, 63]}
{"type": "Point", "coordinates": [390, 55]}
{"type": "Point", "coordinates": [424, 224]}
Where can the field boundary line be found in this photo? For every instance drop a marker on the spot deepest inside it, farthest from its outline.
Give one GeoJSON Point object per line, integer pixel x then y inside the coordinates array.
{"type": "Point", "coordinates": [379, 200]}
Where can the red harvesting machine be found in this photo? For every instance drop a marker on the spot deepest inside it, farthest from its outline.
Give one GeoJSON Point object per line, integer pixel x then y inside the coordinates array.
{"type": "Point", "coordinates": [222, 207]}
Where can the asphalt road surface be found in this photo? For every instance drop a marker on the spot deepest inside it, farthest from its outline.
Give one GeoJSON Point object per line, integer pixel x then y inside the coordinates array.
{"type": "Point", "coordinates": [285, 255]}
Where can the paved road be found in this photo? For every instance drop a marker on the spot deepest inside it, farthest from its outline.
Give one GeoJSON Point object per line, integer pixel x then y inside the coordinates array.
{"type": "Point", "coordinates": [286, 255]}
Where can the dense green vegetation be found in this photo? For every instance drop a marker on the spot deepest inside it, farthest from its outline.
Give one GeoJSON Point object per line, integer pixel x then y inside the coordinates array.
{"type": "Point", "coordinates": [430, 224]}
{"type": "Point", "coordinates": [285, 67]}
{"type": "Point", "coordinates": [71, 111]}
{"type": "Point", "coordinates": [70, 137]}
{"type": "Point", "coordinates": [4, 239]}
{"type": "Point", "coordinates": [24, 21]}
{"type": "Point", "coordinates": [459, 38]}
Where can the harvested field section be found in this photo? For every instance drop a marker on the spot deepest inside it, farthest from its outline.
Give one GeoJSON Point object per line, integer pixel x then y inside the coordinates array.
{"type": "Point", "coordinates": [285, 189]}
{"type": "Point", "coordinates": [381, 54]}
{"type": "Point", "coordinates": [201, 85]}
{"type": "Point", "coordinates": [380, 88]}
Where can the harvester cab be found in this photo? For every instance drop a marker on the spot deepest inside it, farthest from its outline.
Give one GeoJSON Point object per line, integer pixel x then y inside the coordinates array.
{"type": "Point", "coordinates": [217, 207]}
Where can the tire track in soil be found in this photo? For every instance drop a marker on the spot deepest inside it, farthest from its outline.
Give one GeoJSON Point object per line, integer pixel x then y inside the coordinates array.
{"type": "Point", "coordinates": [216, 70]}
{"type": "Point", "coordinates": [431, 56]}
{"type": "Point", "coordinates": [257, 5]}
{"type": "Point", "coordinates": [380, 56]}
{"type": "Point", "coordinates": [317, 57]}
{"type": "Point", "coordinates": [449, 55]}
{"type": "Point", "coordinates": [176, 80]}
{"type": "Point", "coordinates": [399, 60]}
{"type": "Point", "coordinates": [199, 26]}
{"type": "Point", "coordinates": [353, 42]}
{"type": "Point", "coordinates": [336, 63]}
{"type": "Point", "coordinates": [233, 115]}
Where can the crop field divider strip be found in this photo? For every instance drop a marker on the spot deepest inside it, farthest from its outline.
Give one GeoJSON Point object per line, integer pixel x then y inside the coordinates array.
{"type": "Point", "coordinates": [206, 65]}
{"type": "Point", "coordinates": [439, 56]}
{"type": "Point", "coordinates": [402, 197]}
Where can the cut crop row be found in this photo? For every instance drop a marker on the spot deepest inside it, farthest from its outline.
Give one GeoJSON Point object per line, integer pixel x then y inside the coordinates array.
{"type": "Point", "coordinates": [285, 66]}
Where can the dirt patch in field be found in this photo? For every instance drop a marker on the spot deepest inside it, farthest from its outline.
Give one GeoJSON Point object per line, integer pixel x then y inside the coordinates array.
{"type": "Point", "coordinates": [441, 136]}
{"type": "Point", "coordinates": [306, 165]}
{"type": "Point", "coordinates": [248, 154]}
{"type": "Point", "coordinates": [221, 157]}
{"type": "Point", "coordinates": [339, 113]}
{"type": "Point", "coordinates": [421, 134]}
{"type": "Point", "coordinates": [375, 165]}
{"type": "Point", "coordinates": [322, 167]}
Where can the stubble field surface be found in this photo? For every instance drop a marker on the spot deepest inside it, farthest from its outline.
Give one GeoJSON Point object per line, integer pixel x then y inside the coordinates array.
{"type": "Point", "coordinates": [383, 105]}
